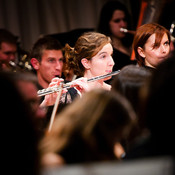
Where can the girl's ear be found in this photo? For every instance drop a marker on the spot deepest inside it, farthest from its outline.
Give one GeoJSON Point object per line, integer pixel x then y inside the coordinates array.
{"type": "Point", "coordinates": [35, 63]}
{"type": "Point", "coordinates": [85, 63]}
{"type": "Point", "coordinates": [141, 52]}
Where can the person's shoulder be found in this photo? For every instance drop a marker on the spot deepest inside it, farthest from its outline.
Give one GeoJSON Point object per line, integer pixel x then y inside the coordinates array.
{"type": "Point", "coordinates": [151, 69]}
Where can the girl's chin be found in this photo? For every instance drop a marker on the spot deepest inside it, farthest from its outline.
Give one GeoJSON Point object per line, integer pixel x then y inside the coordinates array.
{"type": "Point", "coordinates": [108, 78]}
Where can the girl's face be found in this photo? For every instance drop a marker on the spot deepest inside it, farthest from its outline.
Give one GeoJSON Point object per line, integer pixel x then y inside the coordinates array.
{"type": "Point", "coordinates": [118, 21]}
{"type": "Point", "coordinates": [102, 63]}
{"type": "Point", "coordinates": [154, 56]}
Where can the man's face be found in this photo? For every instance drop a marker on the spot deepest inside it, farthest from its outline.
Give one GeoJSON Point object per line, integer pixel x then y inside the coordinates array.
{"type": "Point", "coordinates": [118, 21]}
{"type": "Point", "coordinates": [51, 66]}
{"type": "Point", "coordinates": [7, 52]}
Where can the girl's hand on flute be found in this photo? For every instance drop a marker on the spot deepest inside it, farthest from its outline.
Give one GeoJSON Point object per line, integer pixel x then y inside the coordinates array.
{"type": "Point", "coordinates": [80, 84]}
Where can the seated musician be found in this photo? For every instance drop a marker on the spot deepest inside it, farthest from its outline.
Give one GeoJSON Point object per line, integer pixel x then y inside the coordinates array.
{"type": "Point", "coordinates": [90, 57]}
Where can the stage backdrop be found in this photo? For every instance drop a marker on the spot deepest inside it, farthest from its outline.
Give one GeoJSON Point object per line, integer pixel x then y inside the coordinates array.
{"type": "Point", "coordinates": [29, 19]}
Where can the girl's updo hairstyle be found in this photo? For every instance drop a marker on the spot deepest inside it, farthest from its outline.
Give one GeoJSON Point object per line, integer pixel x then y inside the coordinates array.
{"type": "Point", "coordinates": [86, 46]}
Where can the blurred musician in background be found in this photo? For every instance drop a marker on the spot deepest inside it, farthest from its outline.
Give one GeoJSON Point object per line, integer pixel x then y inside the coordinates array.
{"type": "Point", "coordinates": [8, 49]}
{"type": "Point", "coordinates": [12, 56]}
{"type": "Point", "coordinates": [114, 16]}
{"type": "Point", "coordinates": [90, 57]}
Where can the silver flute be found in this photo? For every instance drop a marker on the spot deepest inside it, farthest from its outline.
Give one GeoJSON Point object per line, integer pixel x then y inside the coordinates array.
{"type": "Point", "coordinates": [54, 89]}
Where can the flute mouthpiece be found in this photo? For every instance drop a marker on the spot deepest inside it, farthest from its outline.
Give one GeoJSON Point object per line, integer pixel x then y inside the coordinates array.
{"type": "Point", "coordinates": [127, 31]}
{"type": "Point", "coordinates": [123, 30]}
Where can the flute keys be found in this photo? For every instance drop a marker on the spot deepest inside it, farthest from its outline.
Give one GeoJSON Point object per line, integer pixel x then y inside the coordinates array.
{"type": "Point", "coordinates": [68, 85]}
{"type": "Point", "coordinates": [47, 91]}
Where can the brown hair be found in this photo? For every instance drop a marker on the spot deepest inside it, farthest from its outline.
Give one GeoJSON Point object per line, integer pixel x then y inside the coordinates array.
{"type": "Point", "coordinates": [87, 46]}
{"type": "Point", "coordinates": [44, 43]}
{"type": "Point", "coordinates": [91, 125]}
{"type": "Point", "coordinates": [7, 37]}
{"type": "Point", "coordinates": [142, 35]}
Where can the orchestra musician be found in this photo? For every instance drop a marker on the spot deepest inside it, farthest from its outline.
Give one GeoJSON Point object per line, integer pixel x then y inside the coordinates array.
{"type": "Point", "coordinates": [90, 57]}
{"type": "Point", "coordinates": [12, 57]}
{"type": "Point", "coordinates": [151, 45]}
{"type": "Point", "coordinates": [115, 16]}
{"type": "Point", "coordinates": [8, 49]}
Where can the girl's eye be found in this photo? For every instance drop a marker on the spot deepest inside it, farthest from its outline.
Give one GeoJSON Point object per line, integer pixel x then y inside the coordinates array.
{"type": "Point", "coordinates": [61, 60]}
{"type": "Point", "coordinates": [118, 20]}
{"type": "Point", "coordinates": [167, 43]}
{"type": "Point", "coordinates": [103, 56]}
{"type": "Point", "coordinates": [51, 60]}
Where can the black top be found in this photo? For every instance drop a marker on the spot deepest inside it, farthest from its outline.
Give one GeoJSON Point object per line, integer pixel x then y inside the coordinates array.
{"type": "Point", "coordinates": [120, 60]}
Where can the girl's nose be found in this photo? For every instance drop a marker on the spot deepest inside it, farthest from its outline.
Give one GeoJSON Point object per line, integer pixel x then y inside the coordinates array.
{"type": "Point", "coordinates": [164, 49]}
{"type": "Point", "coordinates": [111, 62]}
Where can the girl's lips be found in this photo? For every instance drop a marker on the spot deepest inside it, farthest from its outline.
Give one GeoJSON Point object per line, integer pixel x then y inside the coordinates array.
{"type": "Point", "coordinates": [163, 58]}
{"type": "Point", "coordinates": [108, 72]}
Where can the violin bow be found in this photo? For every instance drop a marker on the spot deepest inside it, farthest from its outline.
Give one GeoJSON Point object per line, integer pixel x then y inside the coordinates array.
{"type": "Point", "coordinates": [55, 107]}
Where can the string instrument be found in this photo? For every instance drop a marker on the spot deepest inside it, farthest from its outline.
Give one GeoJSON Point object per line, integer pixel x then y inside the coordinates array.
{"type": "Point", "coordinates": [68, 85]}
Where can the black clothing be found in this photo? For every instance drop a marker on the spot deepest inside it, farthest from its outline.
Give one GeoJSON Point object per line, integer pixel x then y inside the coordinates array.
{"type": "Point", "coordinates": [150, 147]}
{"type": "Point", "coordinates": [151, 69]}
{"type": "Point", "coordinates": [120, 60]}
{"type": "Point", "coordinates": [73, 93]}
